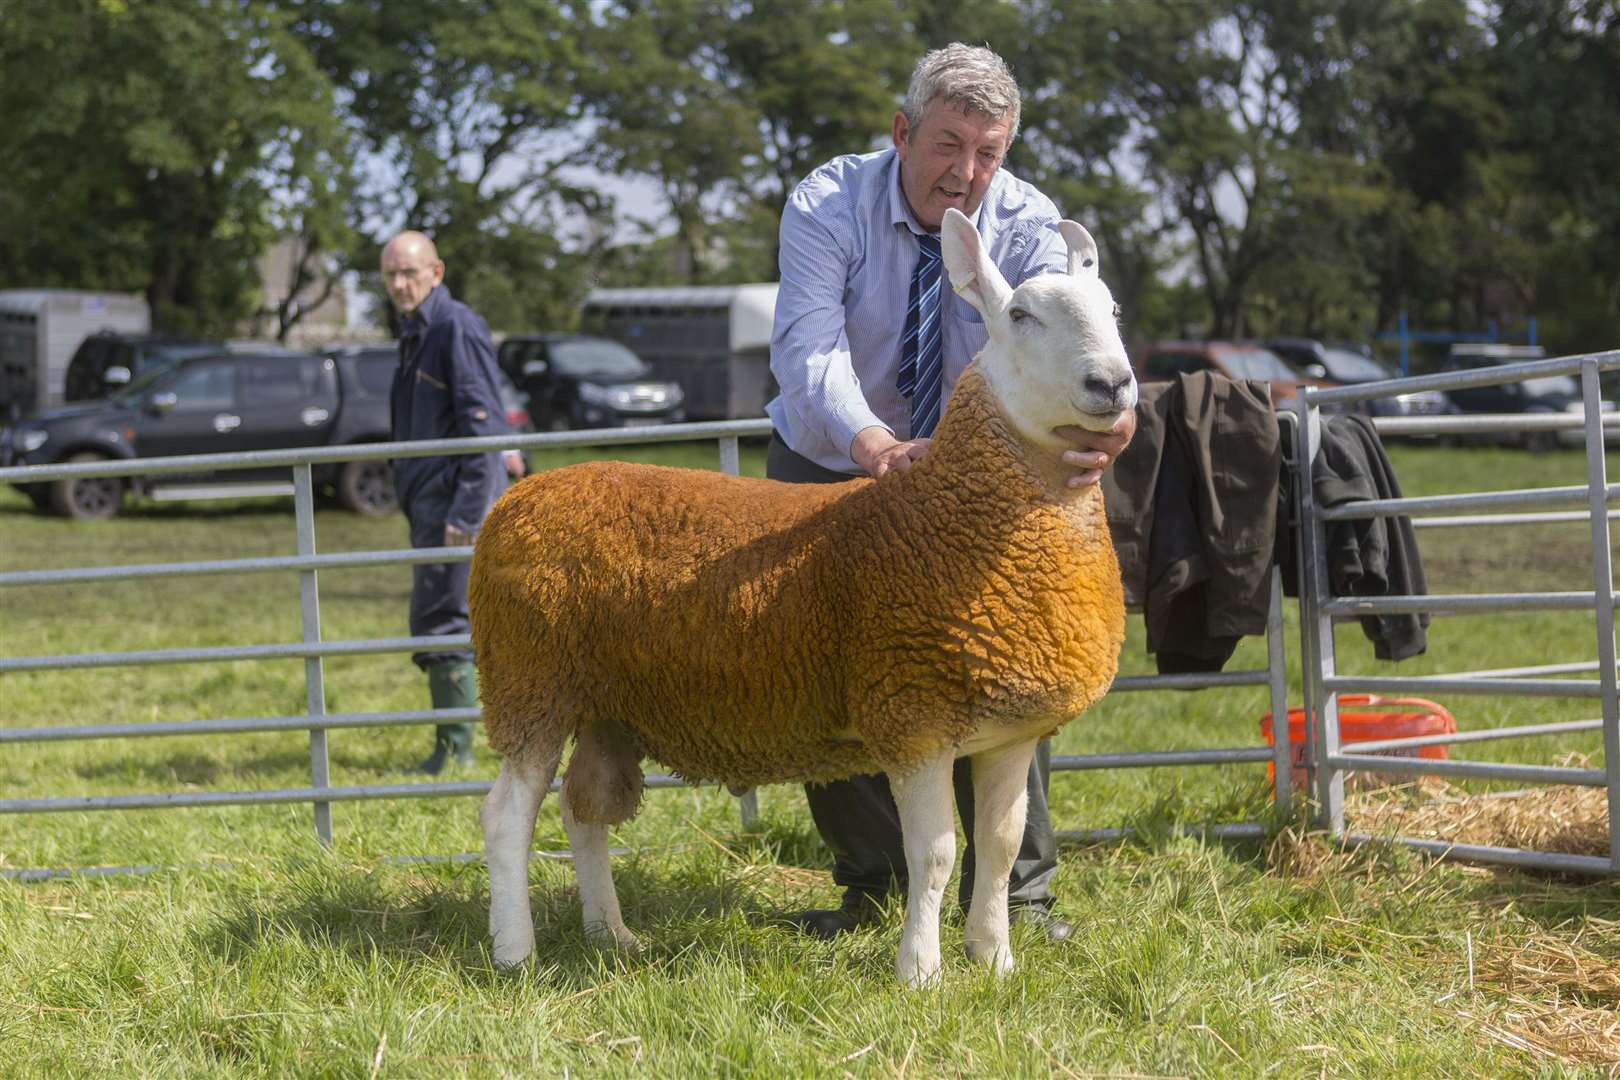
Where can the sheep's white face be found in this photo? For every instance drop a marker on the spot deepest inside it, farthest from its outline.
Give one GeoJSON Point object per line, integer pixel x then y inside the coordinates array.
{"type": "Point", "coordinates": [1055, 357]}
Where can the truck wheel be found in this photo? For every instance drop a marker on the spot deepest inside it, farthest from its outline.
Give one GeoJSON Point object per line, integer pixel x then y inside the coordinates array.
{"type": "Point", "coordinates": [367, 487]}
{"type": "Point", "coordinates": [87, 498]}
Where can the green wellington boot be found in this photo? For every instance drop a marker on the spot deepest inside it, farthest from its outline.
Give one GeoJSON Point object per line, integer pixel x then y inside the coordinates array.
{"type": "Point", "coordinates": [452, 684]}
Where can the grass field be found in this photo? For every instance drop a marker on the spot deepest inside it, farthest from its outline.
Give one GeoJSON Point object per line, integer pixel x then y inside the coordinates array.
{"type": "Point", "coordinates": [251, 950]}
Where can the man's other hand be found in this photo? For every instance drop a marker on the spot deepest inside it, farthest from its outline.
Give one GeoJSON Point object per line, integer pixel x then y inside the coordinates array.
{"type": "Point", "coordinates": [455, 535]}
{"type": "Point", "coordinates": [877, 451]}
{"type": "Point", "coordinates": [1097, 450]}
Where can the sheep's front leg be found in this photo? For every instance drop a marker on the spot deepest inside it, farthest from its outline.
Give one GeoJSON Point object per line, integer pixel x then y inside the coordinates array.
{"type": "Point", "coordinates": [1000, 798]}
{"type": "Point", "coordinates": [508, 817]}
{"type": "Point", "coordinates": [928, 830]}
{"type": "Point", "coordinates": [598, 900]}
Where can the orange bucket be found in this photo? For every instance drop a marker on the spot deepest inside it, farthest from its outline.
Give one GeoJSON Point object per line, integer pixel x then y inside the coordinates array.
{"type": "Point", "coordinates": [1365, 718]}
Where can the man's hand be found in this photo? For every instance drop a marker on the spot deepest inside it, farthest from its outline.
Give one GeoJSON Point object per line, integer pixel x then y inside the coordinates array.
{"type": "Point", "coordinates": [455, 535]}
{"type": "Point", "coordinates": [1097, 449]}
{"type": "Point", "coordinates": [515, 467]}
{"type": "Point", "coordinates": [876, 450]}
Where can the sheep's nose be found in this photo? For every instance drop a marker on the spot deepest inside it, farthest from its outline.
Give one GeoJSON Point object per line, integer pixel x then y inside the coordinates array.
{"type": "Point", "coordinates": [1108, 390]}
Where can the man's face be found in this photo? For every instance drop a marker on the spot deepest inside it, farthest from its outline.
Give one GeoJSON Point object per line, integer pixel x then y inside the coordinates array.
{"type": "Point", "coordinates": [409, 272]}
{"type": "Point", "coordinates": [948, 159]}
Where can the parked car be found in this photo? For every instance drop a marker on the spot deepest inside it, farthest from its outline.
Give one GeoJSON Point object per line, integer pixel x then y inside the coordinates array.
{"type": "Point", "coordinates": [218, 403]}
{"type": "Point", "coordinates": [106, 362]}
{"type": "Point", "coordinates": [1236, 360]}
{"type": "Point", "coordinates": [577, 381]}
{"type": "Point", "coordinates": [1541, 394]}
{"type": "Point", "coordinates": [1347, 366]}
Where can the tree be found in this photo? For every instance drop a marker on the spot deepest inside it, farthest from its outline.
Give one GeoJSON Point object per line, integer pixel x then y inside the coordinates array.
{"type": "Point", "coordinates": [143, 144]}
{"type": "Point", "coordinates": [466, 112]}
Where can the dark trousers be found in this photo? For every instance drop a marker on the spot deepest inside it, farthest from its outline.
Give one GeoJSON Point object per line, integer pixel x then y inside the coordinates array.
{"type": "Point", "coordinates": [438, 590]}
{"type": "Point", "coordinates": [857, 818]}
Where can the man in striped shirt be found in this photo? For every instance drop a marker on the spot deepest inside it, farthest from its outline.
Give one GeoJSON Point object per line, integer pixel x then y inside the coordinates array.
{"type": "Point", "coordinates": [866, 346]}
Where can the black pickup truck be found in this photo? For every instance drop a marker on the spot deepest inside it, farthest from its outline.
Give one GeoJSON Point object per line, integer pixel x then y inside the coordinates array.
{"type": "Point", "coordinates": [221, 403]}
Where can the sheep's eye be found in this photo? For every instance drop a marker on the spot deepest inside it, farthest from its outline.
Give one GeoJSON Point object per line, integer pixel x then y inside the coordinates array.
{"type": "Point", "coordinates": [1019, 314]}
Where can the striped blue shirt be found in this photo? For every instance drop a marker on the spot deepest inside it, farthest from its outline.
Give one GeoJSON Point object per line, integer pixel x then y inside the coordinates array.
{"type": "Point", "coordinates": [849, 246]}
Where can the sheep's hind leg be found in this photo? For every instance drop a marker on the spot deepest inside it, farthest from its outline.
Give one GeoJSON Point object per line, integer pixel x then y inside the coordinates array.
{"type": "Point", "coordinates": [603, 787]}
{"type": "Point", "coordinates": [1000, 799]}
{"type": "Point", "coordinates": [508, 817]}
{"type": "Point", "coordinates": [598, 900]}
{"type": "Point", "coordinates": [928, 830]}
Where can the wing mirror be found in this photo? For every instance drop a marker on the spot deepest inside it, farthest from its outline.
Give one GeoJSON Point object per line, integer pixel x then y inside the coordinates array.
{"type": "Point", "coordinates": [533, 368]}
{"type": "Point", "coordinates": [117, 375]}
{"type": "Point", "coordinates": [1316, 371]}
{"type": "Point", "coordinates": [162, 401]}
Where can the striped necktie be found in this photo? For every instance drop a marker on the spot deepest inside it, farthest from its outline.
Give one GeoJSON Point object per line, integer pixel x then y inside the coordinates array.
{"type": "Point", "coordinates": [922, 367]}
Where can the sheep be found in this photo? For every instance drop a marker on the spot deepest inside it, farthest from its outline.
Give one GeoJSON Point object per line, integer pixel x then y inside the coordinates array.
{"type": "Point", "coordinates": [746, 631]}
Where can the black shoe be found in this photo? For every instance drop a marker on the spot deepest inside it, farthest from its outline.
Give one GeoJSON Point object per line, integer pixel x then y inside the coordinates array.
{"type": "Point", "coordinates": [1039, 916]}
{"type": "Point", "coordinates": [857, 910]}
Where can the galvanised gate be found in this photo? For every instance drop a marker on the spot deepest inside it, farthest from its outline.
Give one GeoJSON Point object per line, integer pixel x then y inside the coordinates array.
{"type": "Point", "coordinates": [1320, 611]}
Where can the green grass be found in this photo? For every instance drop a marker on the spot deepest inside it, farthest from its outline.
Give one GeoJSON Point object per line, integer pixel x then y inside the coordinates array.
{"type": "Point", "coordinates": [253, 951]}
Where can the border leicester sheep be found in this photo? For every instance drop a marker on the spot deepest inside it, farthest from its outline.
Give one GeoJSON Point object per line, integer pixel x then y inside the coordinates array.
{"type": "Point", "coordinates": [747, 631]}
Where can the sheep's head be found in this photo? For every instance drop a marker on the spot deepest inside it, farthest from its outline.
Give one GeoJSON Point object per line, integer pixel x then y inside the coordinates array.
{"type": "Point", "coordinates": [1055, 357]}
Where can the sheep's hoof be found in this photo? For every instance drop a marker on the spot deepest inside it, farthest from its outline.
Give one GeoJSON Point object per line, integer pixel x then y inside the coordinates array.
{"type": "Point", "coordinates": [915, 973]}
{"type": "Point", "coordinates": [510, 961]}
{"type": "Point", "coordinates": [612, 937]}
{"type": "Point", "coordinates": [998, 958]}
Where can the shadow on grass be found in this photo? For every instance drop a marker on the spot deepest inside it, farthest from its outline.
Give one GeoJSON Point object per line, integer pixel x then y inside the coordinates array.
{"type": "Point", "coordinates": [440, 916]}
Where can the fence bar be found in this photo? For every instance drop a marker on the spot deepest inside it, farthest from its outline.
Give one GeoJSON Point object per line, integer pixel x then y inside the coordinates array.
{"type": "Point", "coordinates": [1237, 830]}
{"type": "Point", "coordinates": [1429, 684]}
{"type": "Point", "coordinates": [235, 566]}
{"type": "Point", "coordinates": [730, 456]}
{"type": "Point", "coordinates": [1316, 626]}
{"type": "Point", "coordinates": [1483, 770]}
{"type": "Point", "coordinates": [358, 793]}
{"type": "Point", "coordinates": [1538, 860]}
{"type": "Point", "coordinates": [1190, 681]}
{"type": "Point", "coordinates": [1539, 669]}
{"type": "Point", "coordinates": [1603, 583]}
{"type": "Point", "coordinates": [1460, 604]}
{"type": "Point", "coordinates": [1149, 759]}
{"type": "Point", "coordinates": [1506, 519]}
{"type": "Point", "coordinates": [321, 455]}
{"type": "Point", "coordinates": [1485, 500]}
{"type": "Point", "coordinates": [1372, 746]}
{"type": "Point", "coordinates": [233, 652]}
{"type": "Point", "coordinates": [309, 609]}
{"type": "Point", "coordinates": [237, 725]}
{"type": "Point", "coordinates": [1495, 375]}
{"type": "Point", "coordinates": [1281, 748]}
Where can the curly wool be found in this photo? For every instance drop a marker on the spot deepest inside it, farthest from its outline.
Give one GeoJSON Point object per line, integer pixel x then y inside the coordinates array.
{"type": "Point", "coordinates": [751, 631]}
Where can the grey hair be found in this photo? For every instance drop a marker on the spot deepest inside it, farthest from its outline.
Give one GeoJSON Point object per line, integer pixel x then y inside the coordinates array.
{"type": "Point", "coordinates": [970, 75]}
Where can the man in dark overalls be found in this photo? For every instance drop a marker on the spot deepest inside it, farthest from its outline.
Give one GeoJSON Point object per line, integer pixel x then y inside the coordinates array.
{"type": "Point", "coordinates": [446, 386]}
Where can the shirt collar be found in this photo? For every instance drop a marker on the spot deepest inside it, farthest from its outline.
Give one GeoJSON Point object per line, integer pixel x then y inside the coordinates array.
{"type": "Point", "coordinates": [900, 210]}
{"type": "Point", "coordinates": [427, 312]}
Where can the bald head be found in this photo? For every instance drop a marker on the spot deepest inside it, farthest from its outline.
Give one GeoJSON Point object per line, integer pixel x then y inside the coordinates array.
{"type": "Point", "coordinates": [410, 270]}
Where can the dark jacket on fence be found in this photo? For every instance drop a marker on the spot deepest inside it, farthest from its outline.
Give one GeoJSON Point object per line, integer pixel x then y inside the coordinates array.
{"type": "Point", "coordinates": [1192, 506]}
{"type": "Point", "coordinates": [1365, 556]}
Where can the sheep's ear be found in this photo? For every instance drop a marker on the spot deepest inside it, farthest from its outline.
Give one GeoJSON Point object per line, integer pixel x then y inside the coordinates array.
{"type": "Point", "coordinates": [973, 275]}
{"type": "Point", "coordinates": [1082, 248]}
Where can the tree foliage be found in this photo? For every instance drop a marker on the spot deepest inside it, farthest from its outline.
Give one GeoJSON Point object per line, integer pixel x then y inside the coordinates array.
{"type": "Point", "coordinates": [1248, 166]}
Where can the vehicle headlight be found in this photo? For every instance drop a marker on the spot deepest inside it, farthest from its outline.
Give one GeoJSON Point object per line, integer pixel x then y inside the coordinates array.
{"type": "Point", "coordinates": [592, 394]}
{"type": "Point", "coordinates": [31, 439]}
{"type": "Point", "coordinates": [673, 394]}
